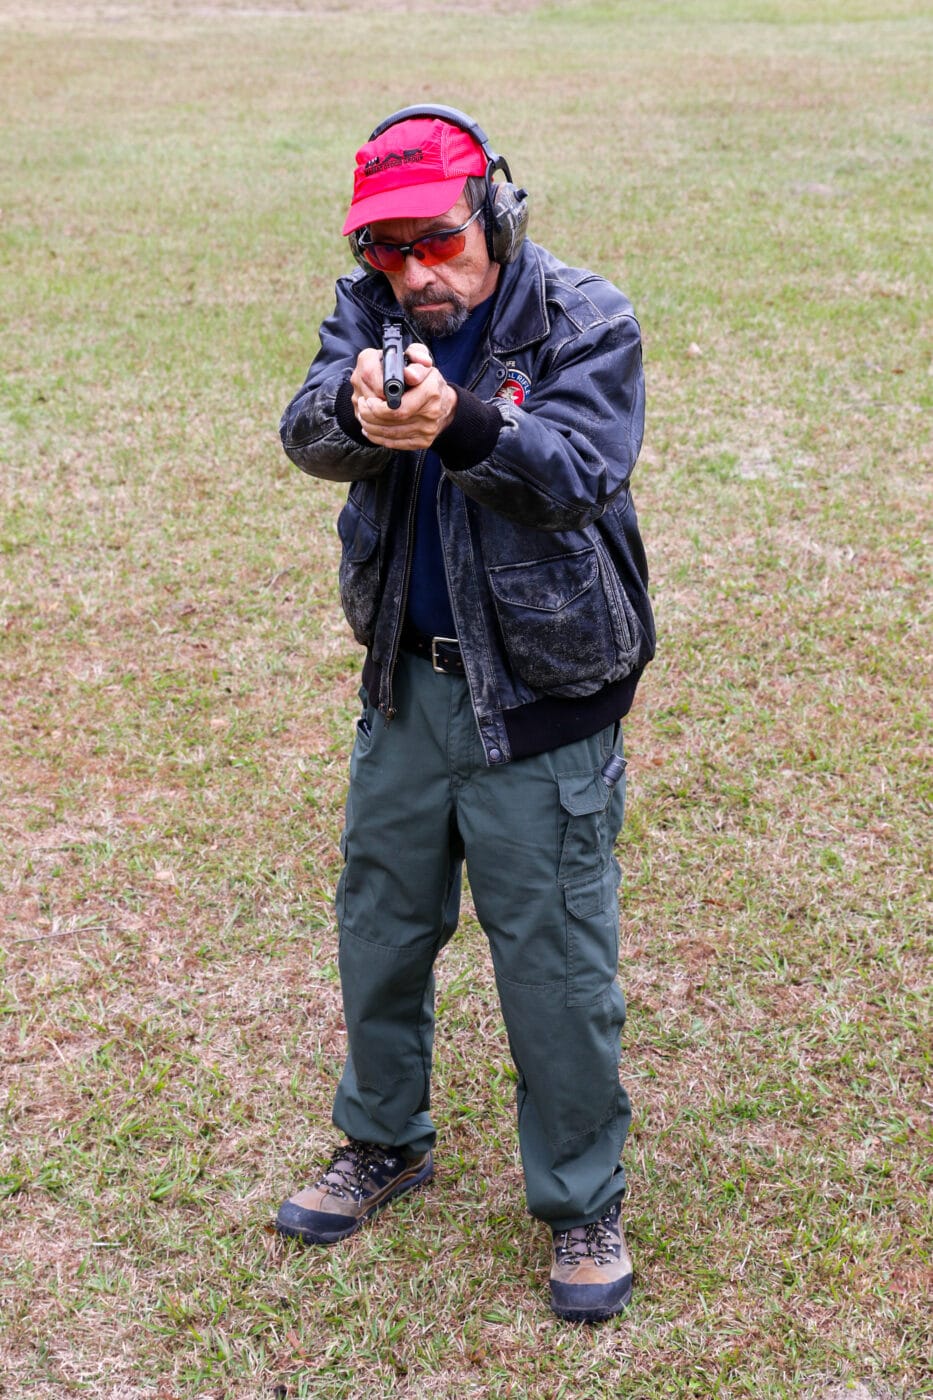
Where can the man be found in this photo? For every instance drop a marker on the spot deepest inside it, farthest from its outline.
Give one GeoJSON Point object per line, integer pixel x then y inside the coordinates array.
{"type": "Point", "coordinates": [493, 570]}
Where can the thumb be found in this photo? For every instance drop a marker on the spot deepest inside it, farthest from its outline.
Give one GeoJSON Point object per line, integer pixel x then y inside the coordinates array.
{"type": "Point", "coordinates": [418, 354]}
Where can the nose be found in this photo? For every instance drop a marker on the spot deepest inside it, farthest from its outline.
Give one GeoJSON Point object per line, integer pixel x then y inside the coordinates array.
{"type": "Point", "coordinates": [414, 274]}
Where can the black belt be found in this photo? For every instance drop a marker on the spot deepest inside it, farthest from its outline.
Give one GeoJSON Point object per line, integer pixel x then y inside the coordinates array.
{"type": "Point", "coordinates": [443, 652]}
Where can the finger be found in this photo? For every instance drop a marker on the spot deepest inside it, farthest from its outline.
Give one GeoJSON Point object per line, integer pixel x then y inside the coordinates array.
{"type": "Point", "coordinates": [418, 354]}
{"type": "Point", "coordinates": [375, 416]}
{"type": "Point", "coordinates": [365, 388]}
{"type": "Point", "coordinates": [417, 373]}
{"type": "Point", "coordinates": [394, 443]}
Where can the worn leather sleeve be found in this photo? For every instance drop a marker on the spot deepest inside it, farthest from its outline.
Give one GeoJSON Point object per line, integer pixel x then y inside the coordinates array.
{"type": "Point", "coordinates": [317, 431]}
{"type": "Point", "coordinates": [562, 458]}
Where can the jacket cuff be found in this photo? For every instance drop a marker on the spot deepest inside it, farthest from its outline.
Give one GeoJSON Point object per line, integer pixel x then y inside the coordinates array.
{"type": "Point", "coordinates": [346, 418]}
{"type": "Point", "coordinates": [472, 435]}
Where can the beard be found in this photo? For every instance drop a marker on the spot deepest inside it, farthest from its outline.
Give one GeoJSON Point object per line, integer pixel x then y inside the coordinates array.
{"type": "Point", "coordinates": [444, 320]}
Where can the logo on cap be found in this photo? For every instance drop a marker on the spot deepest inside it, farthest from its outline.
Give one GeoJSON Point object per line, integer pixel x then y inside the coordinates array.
{"type": "Point", "coordinates": [393, 158]}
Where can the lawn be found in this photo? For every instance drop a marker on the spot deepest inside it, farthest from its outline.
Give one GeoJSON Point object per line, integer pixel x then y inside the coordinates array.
{"type": "Point", "coordinates": [178, 694]}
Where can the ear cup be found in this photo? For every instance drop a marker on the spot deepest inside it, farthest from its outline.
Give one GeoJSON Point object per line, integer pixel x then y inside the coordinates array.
{"type": "Point", "coordinates": [506, 220]}
{"type": "Point", "coordinates": [354, 241]}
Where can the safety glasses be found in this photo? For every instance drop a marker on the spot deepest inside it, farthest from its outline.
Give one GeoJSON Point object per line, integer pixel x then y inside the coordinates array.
{"type": "Point", "coordinates": [431, 249]}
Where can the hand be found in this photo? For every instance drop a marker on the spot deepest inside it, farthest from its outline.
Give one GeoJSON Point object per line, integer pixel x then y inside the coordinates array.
{"type": "Point", "coordinates": [427, 408]}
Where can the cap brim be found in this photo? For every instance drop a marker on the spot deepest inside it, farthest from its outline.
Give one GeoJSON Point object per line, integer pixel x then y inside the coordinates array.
{"type": "Point", "coordinates": [410, 202]}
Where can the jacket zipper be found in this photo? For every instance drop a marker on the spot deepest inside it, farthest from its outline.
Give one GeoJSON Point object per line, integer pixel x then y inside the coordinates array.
{"type": "Point", "coordinates": [445, 484]}
{"type": "Point", "coordinates": [390, 712]}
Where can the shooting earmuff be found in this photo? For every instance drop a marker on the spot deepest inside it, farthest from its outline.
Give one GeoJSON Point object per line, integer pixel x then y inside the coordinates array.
{"type": "Point", "coordinates": [506, 206]}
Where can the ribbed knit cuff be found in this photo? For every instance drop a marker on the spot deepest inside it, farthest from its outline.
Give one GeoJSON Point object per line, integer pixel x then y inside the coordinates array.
{"type": "Point", "coordinates": [471, 436]}
{"type": "Point", "coordinates": [346, 418]}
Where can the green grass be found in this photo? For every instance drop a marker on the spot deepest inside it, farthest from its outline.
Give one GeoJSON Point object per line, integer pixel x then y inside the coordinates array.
{"type": "Point", "coordinates": [177, 695]}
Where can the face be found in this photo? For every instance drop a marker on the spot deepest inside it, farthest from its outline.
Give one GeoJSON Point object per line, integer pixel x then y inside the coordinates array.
{"type": "Point", "coordinates": [438, 299]}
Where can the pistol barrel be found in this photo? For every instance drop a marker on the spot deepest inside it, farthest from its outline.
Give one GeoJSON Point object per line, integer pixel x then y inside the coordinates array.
{"type": "Point", "coordinates": [393, 364]}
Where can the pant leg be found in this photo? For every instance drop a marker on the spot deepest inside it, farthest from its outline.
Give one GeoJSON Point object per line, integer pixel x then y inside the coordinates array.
{"type": "Point", "coordinates": [539, 837]}
{"type": "Point", "coordinates": [397, 904]}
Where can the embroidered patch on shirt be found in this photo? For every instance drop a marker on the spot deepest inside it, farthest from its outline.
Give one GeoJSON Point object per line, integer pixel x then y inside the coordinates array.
{"type": "Point", "coordinates": [515, 387]}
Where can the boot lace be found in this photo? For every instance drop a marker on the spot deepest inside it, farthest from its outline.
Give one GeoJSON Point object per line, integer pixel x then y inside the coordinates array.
{"type": "Point", "coordinates": [598, 1241]}
{"type": "Point", "coordinates": [351, 1167]}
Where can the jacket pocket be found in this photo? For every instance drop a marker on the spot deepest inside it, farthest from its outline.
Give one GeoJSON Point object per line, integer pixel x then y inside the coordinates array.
{"type": "Point", "coordinates": [559, 631]}
{"type": "Point", "coordinates": [359, 574]}
{"type": "Point", "coordinates": [625, 625]}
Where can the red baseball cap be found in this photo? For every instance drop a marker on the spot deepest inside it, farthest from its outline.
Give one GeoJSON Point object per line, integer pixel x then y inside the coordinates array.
{"type": "Point", "coordinates": [414, 170]}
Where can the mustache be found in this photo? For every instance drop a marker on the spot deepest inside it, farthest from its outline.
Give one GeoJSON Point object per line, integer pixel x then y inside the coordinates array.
{"type": "Point", "coordinates": [426, 297]}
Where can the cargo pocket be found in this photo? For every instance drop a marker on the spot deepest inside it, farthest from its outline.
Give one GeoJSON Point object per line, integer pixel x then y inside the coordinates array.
{"type": "Point", "coordinates": [589, 877]}
{"type": "Point", "coordinates": [359, 570]}
{"type": "Point", "coordinates": [555, 622]}
{"type": "Point", "coordinates": [592, 908]}
{"type": "Point", "coordinates": [584, 799]}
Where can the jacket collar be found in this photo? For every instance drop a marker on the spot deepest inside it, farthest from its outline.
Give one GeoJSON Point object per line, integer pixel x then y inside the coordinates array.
{"type": "Point", "coordinates": [519, 314]}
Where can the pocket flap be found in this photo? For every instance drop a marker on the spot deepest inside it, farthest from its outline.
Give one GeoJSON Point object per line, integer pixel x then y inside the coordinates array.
{"type": "Point", "coordinates": [581, 793]}
{"type": "Point", "coordinates": [547, 585]}
{"type": "Point", "coordinates": [596, 893]}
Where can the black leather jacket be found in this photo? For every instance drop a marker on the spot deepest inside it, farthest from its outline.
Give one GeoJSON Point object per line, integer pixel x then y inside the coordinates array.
{"type": "Point", "coordinates": [545, 565]}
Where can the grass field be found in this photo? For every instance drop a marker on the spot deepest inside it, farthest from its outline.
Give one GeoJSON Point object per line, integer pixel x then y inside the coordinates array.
{"type": "Point", "coordinates": [178, 689]}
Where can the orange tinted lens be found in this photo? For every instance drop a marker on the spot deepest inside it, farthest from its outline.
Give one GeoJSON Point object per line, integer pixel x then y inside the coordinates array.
{"type": "Point", "coordinates": [384, 257]}
{"type": "Point", "coordinates": [439, 247]}
{"type": "Point", "coordinates": [434, 248]}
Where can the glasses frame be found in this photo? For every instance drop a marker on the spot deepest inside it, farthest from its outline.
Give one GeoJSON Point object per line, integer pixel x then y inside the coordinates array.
{"type": "Point", "coordinates": [366, 243]}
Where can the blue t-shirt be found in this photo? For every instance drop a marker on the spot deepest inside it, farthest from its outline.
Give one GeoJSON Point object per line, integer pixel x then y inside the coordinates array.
{"type": "Point", "coordinates": [429, 609]}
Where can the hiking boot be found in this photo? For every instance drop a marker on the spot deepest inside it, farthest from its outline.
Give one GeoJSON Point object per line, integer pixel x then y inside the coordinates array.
{"type": "Point", "coordinates": [358, 1180]}
{"type": "Point", "coordinates": [591, 1276]}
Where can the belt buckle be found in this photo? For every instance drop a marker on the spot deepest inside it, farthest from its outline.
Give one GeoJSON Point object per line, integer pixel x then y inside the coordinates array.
{"type": "Point", "coordinates": [450, 641]}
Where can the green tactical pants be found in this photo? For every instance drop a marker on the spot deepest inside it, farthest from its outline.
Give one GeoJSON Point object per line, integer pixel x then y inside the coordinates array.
{"type": "Point", "coordinates": [537, 836]}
